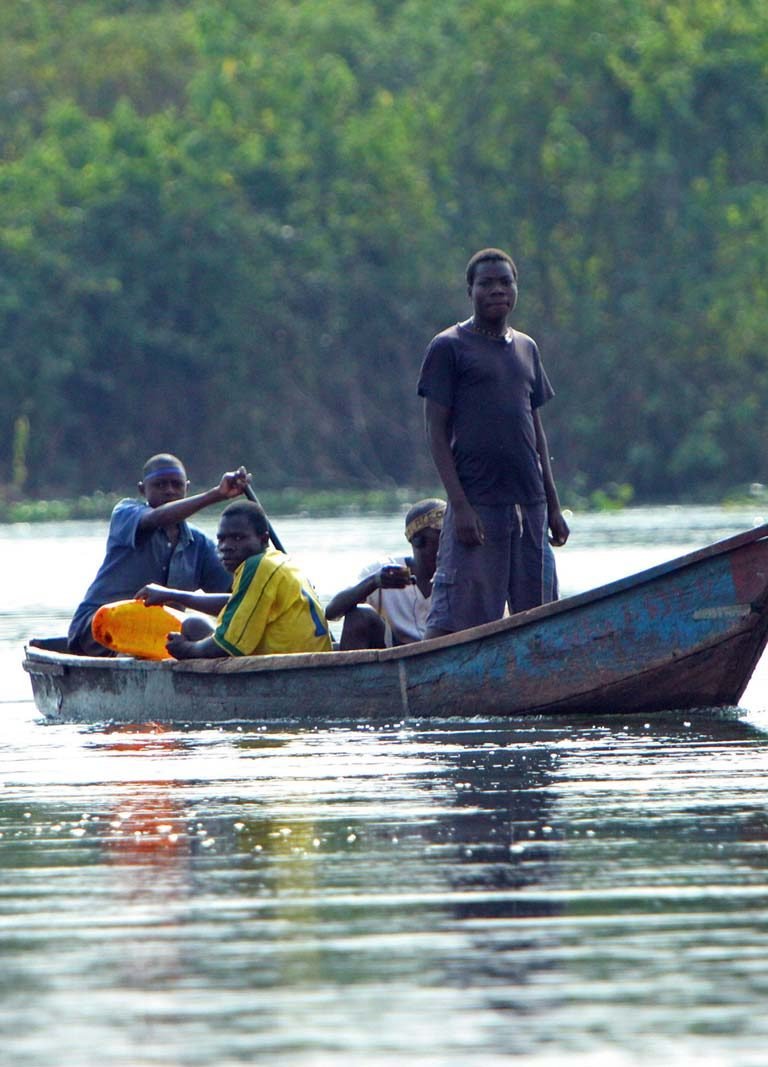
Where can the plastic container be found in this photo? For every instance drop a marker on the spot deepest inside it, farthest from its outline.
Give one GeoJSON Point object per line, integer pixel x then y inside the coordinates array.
{"type": "Point", "coordinates": [129, 626]}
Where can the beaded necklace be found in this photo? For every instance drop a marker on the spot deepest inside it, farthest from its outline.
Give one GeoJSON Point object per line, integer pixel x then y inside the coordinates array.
{"type": "Point", "coordinates": [490, 333]}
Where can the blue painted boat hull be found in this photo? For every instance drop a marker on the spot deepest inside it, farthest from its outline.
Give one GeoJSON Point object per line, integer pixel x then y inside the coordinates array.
{"type": "Point", "coordinates": [685, 634]}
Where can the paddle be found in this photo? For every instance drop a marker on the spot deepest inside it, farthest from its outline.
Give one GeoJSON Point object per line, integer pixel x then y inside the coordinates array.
{"type": "Point", "coordinates": [272, 535]}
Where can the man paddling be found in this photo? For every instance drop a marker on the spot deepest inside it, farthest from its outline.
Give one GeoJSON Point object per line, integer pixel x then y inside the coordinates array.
{"type": "Point", "coordinates": [273, 608]}
{"type": "Point", "coordinates": [150, 540]}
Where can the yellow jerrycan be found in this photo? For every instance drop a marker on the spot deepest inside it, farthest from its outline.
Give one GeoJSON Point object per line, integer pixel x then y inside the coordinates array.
{"type": "Point", "coordinates": [129, 626]}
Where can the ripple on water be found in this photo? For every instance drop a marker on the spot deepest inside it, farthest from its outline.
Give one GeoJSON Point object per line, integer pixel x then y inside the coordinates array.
{"type": "Point", "coordinates": [453, 893]}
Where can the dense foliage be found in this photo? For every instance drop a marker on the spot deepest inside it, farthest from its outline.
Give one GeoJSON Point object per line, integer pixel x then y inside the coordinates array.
{"type": "Point", "coordinates": [229, 228]}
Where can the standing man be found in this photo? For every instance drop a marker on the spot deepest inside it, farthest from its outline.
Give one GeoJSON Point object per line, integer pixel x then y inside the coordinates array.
{"type": "Point", "coordinates": [483, 384]}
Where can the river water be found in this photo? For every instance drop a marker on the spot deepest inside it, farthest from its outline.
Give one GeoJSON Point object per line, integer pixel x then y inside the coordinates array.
{"type": "Point", "coordinates": [454, 894]}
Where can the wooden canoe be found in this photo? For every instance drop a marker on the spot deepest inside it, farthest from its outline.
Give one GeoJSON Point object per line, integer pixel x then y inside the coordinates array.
{"type": "Point", "coordinates": [684, 634]}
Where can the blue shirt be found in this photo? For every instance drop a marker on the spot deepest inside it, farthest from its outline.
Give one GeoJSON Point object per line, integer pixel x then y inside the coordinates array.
{"type": "Point", "coordinates": [133, 560]}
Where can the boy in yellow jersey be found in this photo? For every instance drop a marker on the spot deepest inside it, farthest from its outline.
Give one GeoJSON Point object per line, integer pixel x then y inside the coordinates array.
{"type": "Point", "coordinates": [272, 609]}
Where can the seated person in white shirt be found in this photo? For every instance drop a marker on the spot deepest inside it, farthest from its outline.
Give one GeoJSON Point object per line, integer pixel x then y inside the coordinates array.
{"type": "Point", "coordinates": [390, 603]}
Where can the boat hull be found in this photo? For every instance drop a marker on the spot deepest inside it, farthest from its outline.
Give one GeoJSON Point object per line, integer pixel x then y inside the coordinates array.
{"type": "Point", "coordinates": [684, 634]}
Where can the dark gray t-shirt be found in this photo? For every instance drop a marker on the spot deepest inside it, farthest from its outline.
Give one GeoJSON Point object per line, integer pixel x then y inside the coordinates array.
{"type": "Point", "coordinates": [492, 387]}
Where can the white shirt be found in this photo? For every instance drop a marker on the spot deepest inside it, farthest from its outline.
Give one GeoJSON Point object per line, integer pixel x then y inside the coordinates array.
{"type": "Point", "coordinates": [405, 610]}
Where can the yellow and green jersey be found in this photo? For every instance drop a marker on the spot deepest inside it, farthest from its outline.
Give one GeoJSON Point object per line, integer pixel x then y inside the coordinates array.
{"type": "Point", "coordinates": [273, 609]}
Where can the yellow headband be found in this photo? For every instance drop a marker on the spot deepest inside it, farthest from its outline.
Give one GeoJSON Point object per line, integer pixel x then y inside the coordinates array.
{"type": "Point", "coordinates": [430, 519]}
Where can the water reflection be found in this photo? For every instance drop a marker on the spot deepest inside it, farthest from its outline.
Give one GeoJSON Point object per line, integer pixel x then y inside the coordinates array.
{"type": "Point", "coordinates": [452, 892]}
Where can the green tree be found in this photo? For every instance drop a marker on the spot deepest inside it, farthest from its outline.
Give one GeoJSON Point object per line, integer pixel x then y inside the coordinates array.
{"type": "Point", "coordinates": [230, 229]}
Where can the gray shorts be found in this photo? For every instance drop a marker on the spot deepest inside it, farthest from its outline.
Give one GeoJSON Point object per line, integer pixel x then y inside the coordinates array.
{"type": "Point", "coordinates": [515, 566]}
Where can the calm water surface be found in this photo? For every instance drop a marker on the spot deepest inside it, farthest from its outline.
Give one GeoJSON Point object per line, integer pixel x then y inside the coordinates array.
{"type": "Point", "coordinates": [588, 891]}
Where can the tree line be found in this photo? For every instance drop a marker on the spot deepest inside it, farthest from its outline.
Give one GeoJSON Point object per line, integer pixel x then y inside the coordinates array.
{"type": "Point", "coordinates": [230, 229]}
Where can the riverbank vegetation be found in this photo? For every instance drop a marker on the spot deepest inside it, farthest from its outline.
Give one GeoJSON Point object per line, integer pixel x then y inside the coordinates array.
{"type": "Point", "coordinates": [323, 503]}
{"type": "Point", "coordinates": [229, 230]}
{"type": "Point", "coordinates": [291, 501]}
